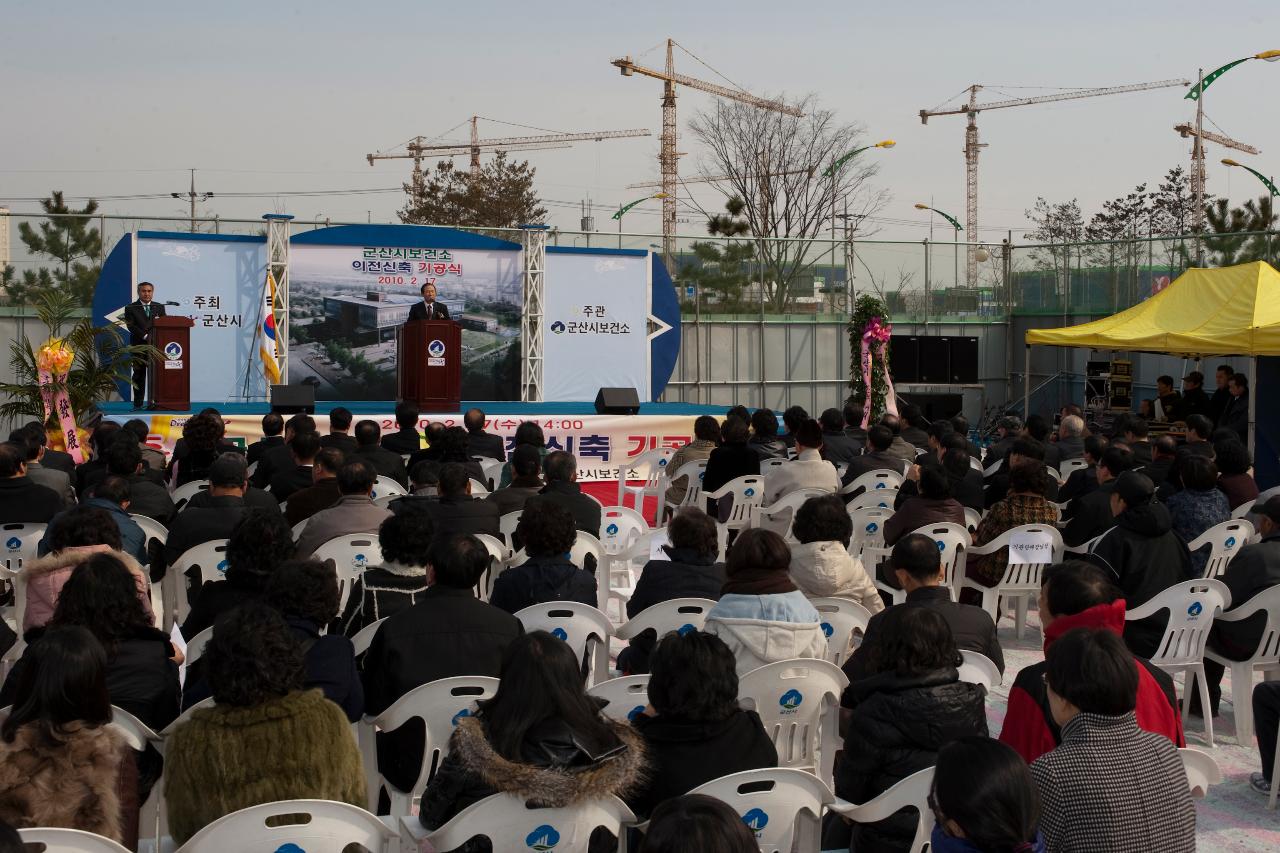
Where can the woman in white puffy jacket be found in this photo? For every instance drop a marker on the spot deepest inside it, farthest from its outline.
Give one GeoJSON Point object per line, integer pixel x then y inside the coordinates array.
{"type": "Point", "coordinates": [821, 565]}
{"type": "Point", "coordinates": [761, 616]}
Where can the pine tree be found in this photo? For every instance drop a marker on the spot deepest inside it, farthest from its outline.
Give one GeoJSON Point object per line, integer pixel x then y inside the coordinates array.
{"type": "Point", "coordinates": [500, 195]}
{"type": "Point", "coordinates": [68, 237]}
{"type": "Point", "coordinates": [722, 266]}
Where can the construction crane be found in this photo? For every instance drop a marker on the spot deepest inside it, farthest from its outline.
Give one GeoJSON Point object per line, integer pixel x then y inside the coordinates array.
{"type": "Point", "coordinates": [667, 152]}
{"type": "Point", "coordinates": [972, 147]}
{"type": "Point", "coordinates": [715, 179]}
{"type": "Point", "coordinates": [420, 147]}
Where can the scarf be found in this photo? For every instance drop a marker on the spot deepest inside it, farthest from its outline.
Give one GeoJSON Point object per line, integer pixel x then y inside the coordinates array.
{"type": "Point", "coordinates": [758, 581]}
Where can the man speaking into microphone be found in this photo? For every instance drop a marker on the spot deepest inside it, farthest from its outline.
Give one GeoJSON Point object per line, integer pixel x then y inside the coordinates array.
{"type": "Point", "coordinates": [139, 317]}
{"type": "Point", "coordinates": [429, 308]}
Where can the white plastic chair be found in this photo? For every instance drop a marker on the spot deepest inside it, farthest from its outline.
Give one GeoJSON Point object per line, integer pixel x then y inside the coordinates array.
{"type": "Point", "coordinates": [499, 554]}
{"type": "Point", "coordinates": [478, 489]}
{"type": "Point", "coordinates": [18, 580]}
{"type": "Point", "coordinates": [20, 543]}
{"type": "Point", "coordinates": [583, 545]}
{"type": "Point", "coordinates": [511, 824]}
{"type": "Point", "coordinates": [1192, 606]}
{"type": "Point", "coordinates": [492, 469]}
{"type": "Point", "coordinates": [384, 502]}
{"type": "Point", "coordinates": [1202, 771]}
{"type": "Point", "coordinates": [1275, 777]}
{"type": "Point", "coordinates": [1053, 472]}
{"type": "Point", "coordinates": [184, 493]}
{"type": "Point", "coordinates": [364, 637]}
{"type": "Point", "coordinates": [780, 515]}
{"type": "Point", "coordinates": [868, 527]}
{"type": "Point", "coordinates": [316, 826]}
{"type": "Point", "coordinates": [840, 618]}
{"type": "Point", "coordinates": [624, 536]}
{"type": "Point", "coordinates": [692, 473]}
{"type": "Point", "coordinates": [799, 703]}
{"type": "Point", "coordinates": [620, 526]}
{"type": "Point", "coordinates": [1265, 657]}
{"type": "Point", "coordinates": [210, 558]}
{"type": "Point", "coordinates": [979, 669]}
{"type": "Point", "coordinates": [57, 840]}
{"type": "Point", "coordinates": [1225, 541]}
{"type": "Point", "coordinates": [626, 696]}
{"type": "Point", "coordinates": [746, 492]}
{"type": "Point", "coordinates": [678, 614]}
{"type": "Point", "coordinates": [882, 498]}
{"type": "Point", "coordinates": [953, 543]}
{"type": "Point", "coordinates": [1021, 581]}
{"type": "Point", "coordinates": [1070, 466]}
{"type": "Point", "coordinates": [911, 792]}
{"type": "Point", "coordinates": [648, 467]}
{"type": "Point", "coordinates": [586, 630]}
{"type": "Point", "coordinates": [384, 486]}
{"type": "Point", "coordinates": [508, 523]}
{"type": "Point", "coordinates": [440, 705]}
{"type": "Point", "coordinates": [1243, 510]}
{"type": "Point", "coordinates": [768, 465]}
{"type": "Point", "coordinates": [196, 645]}
{"type": "Point", "coordinates": [351, 555]}
{"type": "Point", "coordinates": [882, 478]}
{"type": "Point", "coordinates": [781, 806]}
{"type": "Point", "coordinates": [972, 518]}
{"type": "Point", "coordinates": [168, 730]}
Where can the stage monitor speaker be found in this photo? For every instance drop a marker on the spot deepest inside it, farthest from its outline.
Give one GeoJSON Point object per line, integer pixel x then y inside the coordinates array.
{"type": "Point", "coordinates": [935, 360]}
{"type": "Point", "coordinates": [293, 399]}
{"type": "Point", "coordinates": [964, 360]}
{"type": "Point", "coordinates": [939, 406]}
{"type": "Point", "coordinates": [617, 401]}
{"type": "Point", "coordinates": [904, 358]}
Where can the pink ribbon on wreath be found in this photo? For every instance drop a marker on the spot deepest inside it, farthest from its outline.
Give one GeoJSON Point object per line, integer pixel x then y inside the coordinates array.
{"type": "Point", "coordinates": [875, 336]}
{"type": "Point", "coordinates": [53, 364]}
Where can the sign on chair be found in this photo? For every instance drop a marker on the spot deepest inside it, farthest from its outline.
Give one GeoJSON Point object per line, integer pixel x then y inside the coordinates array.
{"type": "Point", "coordinates": [1030, 547]}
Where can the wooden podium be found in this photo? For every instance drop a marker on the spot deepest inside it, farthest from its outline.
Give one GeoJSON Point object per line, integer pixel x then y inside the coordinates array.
{"type": "Point", "coordinates": [429, 354]}
{"type": "Point", "coordinates": [171, 373]}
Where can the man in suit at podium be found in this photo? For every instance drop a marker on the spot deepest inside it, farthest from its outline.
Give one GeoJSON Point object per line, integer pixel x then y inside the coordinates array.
{"type": "Point", "coordinates": [429, 308]}
{"type": "Point", "coordinates": [140, 317]}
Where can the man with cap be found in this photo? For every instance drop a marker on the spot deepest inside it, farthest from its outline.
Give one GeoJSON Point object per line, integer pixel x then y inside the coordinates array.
{"type": "Point", "coordinates": [1194, 399]}
{"type": "Point", "coordinates": [225, 506]}
{"type": "Point", "coordinates": [1255, 569]}
{"type": "Point", "coordinates": [1143, 554]}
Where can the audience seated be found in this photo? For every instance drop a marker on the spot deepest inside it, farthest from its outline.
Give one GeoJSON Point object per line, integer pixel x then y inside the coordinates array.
{"type": "Point", "coordinates": [694, 730]}
{"type": "Point", "coordinates": [1136, 434]}
{"type": "Point", "coordinates": [764, 435]}
{"type": "Point", "coordinates": [853, 425]}
{"type": "Point", "coordinates": [1090, 514]}
{"type": "Point", "coordinates": [383, 461]}
{"type": "Point", "coordinates": [838, 447]}
{"type": "Point", "coordinates": [111, 494]}
{"type": "Point", "coordinates": [792, 417]}
{"type": "Point", "coordinates": [483, 443]}
{"type": "Point", "coordinates": [547, 532]}
{"type": "Point", "coordinates": [224, 509]}
{"type": "Point", "coordinates": [59, 459]}
{"type": "Point", "coordinates": [1075, 594]}
{"type": "Point", "coordinates": [99, 440]}
{"type": "Point", "coordinates": [1164, 452]}
{"type": "Point", "coordinates": [396, 584]}
{"type": "Point", "coordinates": [983, 799]}
{"type": "Point", "coordinates": [1008, 429]}
{"type": "Point", "coordinates": [51, 478]}
{"type": "Point", "coordinates": [821, 565]}
{"type": "Point", "coordinates": [936, 434]}
{"type": "Point", "coordinates": [1266, 721]}
{"type": "Point", "coordinates": [1143, 554]}
{"type": "Point", "coordinates": [322, 493]}
{"type": "Point", "coordinates": [915, 567]}
{"type": "Point", "coordinates": [1024, 504]}
{"type": "Point", "coordinates": [1082, 481]}
{"type": "Point", "coordinates": [453, 445]}
{"type": "Point", "coordinates": [278, 457]}
{"type": "Point", "coordinates": [444, 631]}
{"type": "Point", "coordinates": [731, 460]}
{"type": "Point", "coordinates": [81, 534]}
{"type": "Point", "coordinates": [287, 481]}
{"type": "Point", "coordinates": [931, 504]}
{"type": "Point", "coordinates": [915, 430]}
{"type": "Point", "coordinates": [1235, 415]}
{"type": "Point", "coordinates": [339, 437]}
{"type": "Point", "coordinates": [1038, 428]}
{"type": "Point", "coordinates": [697, 822]}
{"type": "Point", "coordinates": [540, 738]}
{"type": "Point", "coordinates": [911, 704]}
{"type": "Point", "coordinates": [203, 435]}
{"type": "Point", "coordinates": [272, 427]}
{"type": "Point", "coordinates": [1235, 481]}
{"type": "Point", "coordinates": [355, 511]}
{"type": "Point", "coordinates": [1108, 785]}
{"type": "Point", "coordinates": [456, 511]}
{"type": "Point", "coordinates": [706, 438]}
{"type": "Point", "coordinates": [876, 458]}
{"type": "Point", "coordinates": [146, 496]}
{"type": "Point", "coordinates": [901, 449]}
{"type": "Point", "coordinates": [1255, 569]}
{"type": "Point", "coordinates": [256, 546]}
{"type": "Point", "coordinates": [1023, 451]}
{"type": "Point", "coordinates": [807, 471]}
{"type": "Point", "coordinates": [406, 438]}
{"type": "Point", "coordinates": [1199, 506]}
{"type": "Point", "coordinates": [1070, 443]}
{"type": "Point", "coordinates": [528, 433]}
{"type": "Point", "coordinates": [761, 615]}
{"type": "Point", "coordinates": [527, 463]}
{"type": "Point", "coordinates": [22, 500]}
{"type": "Point", "coordinates": [967, 484]}
{"type": "Point", "coordinates": [61, 763]}
{"type": "Point", "coordinates": [424, 480]}
{"type": "Point", "coordinates": [562, 490]}
{"type": "Point", "coordinates": [691, 570]}
{"type": "Point", "coordinates": [266, 738]}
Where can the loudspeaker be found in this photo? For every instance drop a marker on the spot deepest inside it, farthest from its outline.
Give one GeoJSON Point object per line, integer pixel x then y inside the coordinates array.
{"type": "Point", "coordinates": [617, 401]}
{"type": "Point", "coordinates": [935, 360]}
{"type": "Point", "coordinates": [293, 399]}
{"type": "Point", "coordinates": [964, 360]}
{"type": "Point", "coordinates": [904, 358]}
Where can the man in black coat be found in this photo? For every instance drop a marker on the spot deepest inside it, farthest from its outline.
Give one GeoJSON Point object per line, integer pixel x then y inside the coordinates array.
{"type": "Point", "coordinates": [915, 432]}
{"type": "Point", "coordinates": [1137, 434]}
{"type": "Point", "coordinates": [1221, 396]}
{"type": "Point", "coordinates": [838, 447]}
{"type": "Point", "coordinates": [385, 462]}
{"type": "Point", "coordinates": [562, 489]}
{"type": "Point", "coordinates": [272, 427]}
{"type": "Point", "coordinates": [279, 457]}
{"type": "Point", "coordinates": [139, 318]}
{"type": "Point", "coordinates": [1084, 480]}
{"type": "Point", "coordinates": [455, 511]}
{"type": "Point", "coordinates": [58, 459]}
{"type": "Point", "coordinates": [447, 632]}
{"type": "Point", "coordinates": [429, 308]}
{"type": "Point", "coordinates": [339, 431]}
{"type": "Point", "coordinates": [406, 438]}
{"type": "Point", "coordinates": [877, 457]}
{"type": "Point", "coordinates": [1236, 415]}
{"type": "Point", "coordinates": [21, 500]}
{"type": "Point", "coordinates": [1194, 399]}
{"type": "Point", "coordinates": [1090, 515]}
{"type": "Point", "coordinates": [322, 493]}
{"type": "Point", "coordinates": [853, 425]}
{"type": "Point", "coordinates": [483, 443]}
{"type": "Point", "coordinates": [304, 448]}
{"type": "Point", "coordinates": [124, 459]}
{"type": "Point", "coordinates": [228, 480]}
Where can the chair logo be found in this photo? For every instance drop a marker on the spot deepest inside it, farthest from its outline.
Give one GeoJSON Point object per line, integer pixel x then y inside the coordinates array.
{"type": "Point", "coordinates": [359, 561]}
{"type": "Point", "coordinates": [881, 485]}
{"type": "Point", "coordinates": [662, 463]}
{"type": "Point", "coordinates": [791, 700]}
{"type": "Point", "coordinates": [748, 492]}
{"type": "Point", "coordinates": [686, 628]}
{"type": "Point", "coordinates": [557, 327]}
{"type": "Point", "coordinates": [544, 837]}
{"type": "Point", "coordinates": [612, 530]}
{"type": "Point", "coordinates": [173, 351]}
{"type": "Point", "coordinates": [872, 527]}
{"type": "Point", "coordinates": [634, 712]}
{"type": "Point", "coordinates": [222, 566]}
{"type": "Point", "coordinates": [457, 718]}
{"type": "Point", "coordinates": [1195, 609]}
{"type": "Point", "coordinates": [289, 847]}
{"type": "Point", "coordinates": [560, 634]}
{"type": "Point", "coordinates": [827, 629]}
{"type": "Point", "coordinates": [13, 543]}
{"type": "Point", "coordinates": [1231, 542]}
{"type": "Point", "coordinates": [942, 546]}
{"type": "Point", "coordinates": [757, 819]}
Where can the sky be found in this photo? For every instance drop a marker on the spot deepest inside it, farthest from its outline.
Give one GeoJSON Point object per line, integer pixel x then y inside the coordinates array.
{"type": "Point", "coordinates": [261, 98]}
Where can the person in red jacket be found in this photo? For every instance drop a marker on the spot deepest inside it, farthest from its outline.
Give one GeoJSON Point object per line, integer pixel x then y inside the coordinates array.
{"type": "Point", "coordinates": [1076, 594]}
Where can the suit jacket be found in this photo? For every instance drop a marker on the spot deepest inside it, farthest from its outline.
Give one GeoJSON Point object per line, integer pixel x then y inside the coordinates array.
{"type": "Point", "coordinates": [352, 514]}
{"type": "Point", "coordinates": [402, 441]}
{"type": "Point", "coordinates": [840, 447]}
{"type": "Point", "coordinates": [272, 460]}
{"type": "Point", "coordinates": [341, 441]}
{"type": "Point", "coordinates": [586, 512]}
{"type": "Point", "coordinates": [419, 311]}
{"type": "Point", "coordinates": [59, 460]}
{"type": "Point", "coordinates": [285, 483]}
{"type": "Point", "coordinates": [466, 514]}
{"type": "Point", "coordinates": [915, 437]}
{"type": "Point", "coordinates": [1236, 416]}
{"type": "Point", "coordinates": [307, 502]}
{"type": "Point", "coordinates": [729, 463]}
{"type": "Point", "coordinates": [1089, 515]}
{"type": "Point", "coordinates": [147, 498]}
{"type": "Point", "coordinates": [52, 478]}
{"type": "Point", "coordinates": [254, 451]}
{"type": "Point", "coordinates": [197, 525]}
{"type": "Point", "coordinates": [487, 444]}
{"type": "Point", "coordinates": [26, 501]}
{"type": "Point", "coordinates": [514, 496]}
{"type": "Point", "coordinates": [873, 460]}
{"type": "Point", "coordinates": [139, 324]}
{"type": "Point", "coordinates": [386, 463]}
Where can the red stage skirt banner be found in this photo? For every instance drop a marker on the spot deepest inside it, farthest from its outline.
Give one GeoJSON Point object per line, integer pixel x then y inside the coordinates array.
{"type": "Point", "coordinates": [603, 444]}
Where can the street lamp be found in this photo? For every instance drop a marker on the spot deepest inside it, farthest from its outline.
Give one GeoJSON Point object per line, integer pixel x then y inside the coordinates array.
{"type": "Point", "coordinates": [622, 209]}
{"type": "Point", "coordinates": [1206, 79]}
{"type": "Point", "coordinates": [955, 236]}
{"type": "Point", "coordinates": [830, 172]}
{"type": "Point", "coordinates": [1266, 182]}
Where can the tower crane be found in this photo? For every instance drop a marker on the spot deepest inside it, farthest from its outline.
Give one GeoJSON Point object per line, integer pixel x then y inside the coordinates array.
{"type": "Point", "coordinates": [715, 179]}
{"type": "Point", "coordinates": [972, 146]}
{"type": "Point", "coordinates": [667, 152]}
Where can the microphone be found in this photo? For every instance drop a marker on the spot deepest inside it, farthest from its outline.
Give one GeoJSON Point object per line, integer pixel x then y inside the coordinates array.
{"type": "Point", "coordinates": [174, 304]}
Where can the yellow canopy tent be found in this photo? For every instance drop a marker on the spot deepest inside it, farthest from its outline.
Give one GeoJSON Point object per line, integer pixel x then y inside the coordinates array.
{"type": "Point", "coordinates": [1227, 311]}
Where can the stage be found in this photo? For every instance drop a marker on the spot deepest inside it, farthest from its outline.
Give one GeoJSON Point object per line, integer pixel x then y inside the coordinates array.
{"type": "Point", "coordinates": [365, 408]}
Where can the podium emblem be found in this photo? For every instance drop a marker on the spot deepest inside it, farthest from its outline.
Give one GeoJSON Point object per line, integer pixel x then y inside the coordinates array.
{"type": "Point", "coordinates": [435, 353]}
{"type": "Point", "coordinates": [173, 351]}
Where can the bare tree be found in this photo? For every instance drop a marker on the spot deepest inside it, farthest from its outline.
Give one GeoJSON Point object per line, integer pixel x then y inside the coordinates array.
{"type": "Point", "coordinates": [775, 164]}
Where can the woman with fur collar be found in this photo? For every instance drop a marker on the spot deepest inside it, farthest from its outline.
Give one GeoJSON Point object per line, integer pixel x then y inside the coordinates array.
{"type": "Point", "coordinates": [61, 765]}
{"type": "Point", "coordinates": [395, 585]}
{"type": "Point", "coordinates": [83, 532]}
{"type": "Point", "coordinates": [540, 737]}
